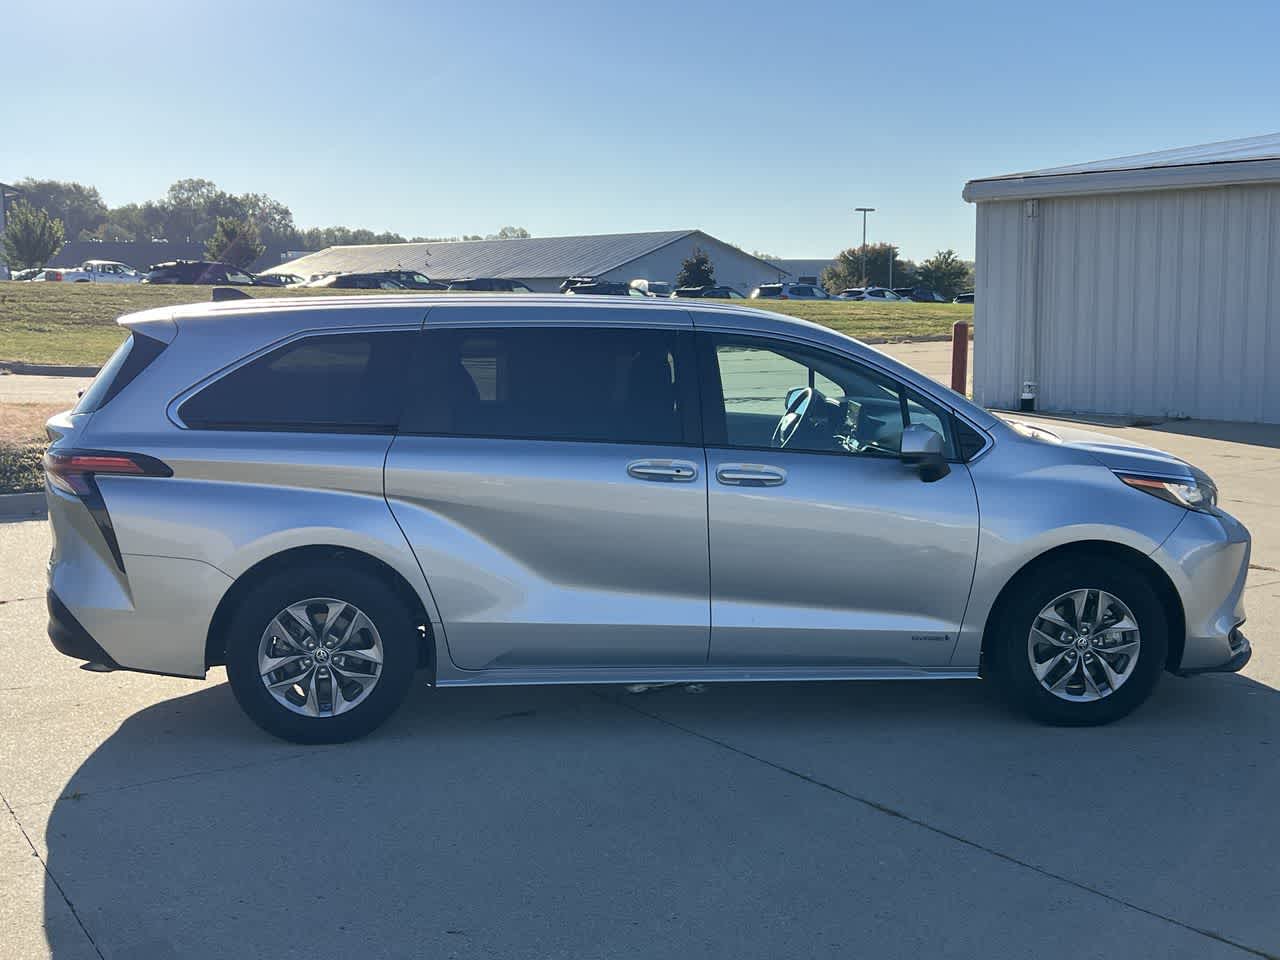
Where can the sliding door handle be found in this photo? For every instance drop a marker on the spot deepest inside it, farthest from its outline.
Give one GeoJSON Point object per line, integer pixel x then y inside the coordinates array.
{"type": "Point", "coordinates": [750, 475]}
{"type": "Point", "coordinates": [663, 471]}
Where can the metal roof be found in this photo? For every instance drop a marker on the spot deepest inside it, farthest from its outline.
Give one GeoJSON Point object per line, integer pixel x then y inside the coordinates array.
{"type": "Point", "coordinates": [517, 259]}
{"type": "Point", "coordinates": [1249, 160]}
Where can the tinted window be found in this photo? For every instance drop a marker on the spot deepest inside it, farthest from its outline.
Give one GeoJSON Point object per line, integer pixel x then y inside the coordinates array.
{"type": "Point", "coordinates": [129, 360]}
{"type": "Point", "coordinates": [620, 385]}
{"type": "Point", "coordinates": [343, 383]}
{"type": "Point", "coordinates": [853, 409]}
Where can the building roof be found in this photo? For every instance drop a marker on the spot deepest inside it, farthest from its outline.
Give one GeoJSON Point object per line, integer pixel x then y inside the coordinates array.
{"type": "Point", "coordinates": [533, 257]}
{"type": "Point", "coordinates": [1250, 160]}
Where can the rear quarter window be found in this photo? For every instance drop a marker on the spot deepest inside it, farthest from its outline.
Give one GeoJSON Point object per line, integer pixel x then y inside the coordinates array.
{"type": "Point", "coordinates": [130, 359]}
{"type": "Point", "coordinates": [335, 383]}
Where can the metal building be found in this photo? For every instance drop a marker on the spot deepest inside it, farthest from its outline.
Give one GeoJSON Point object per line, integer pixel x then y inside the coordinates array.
{"type": "Point", "coordinates": [1146, 285]}
{"type": "Point", "coordinates": [542, 263]}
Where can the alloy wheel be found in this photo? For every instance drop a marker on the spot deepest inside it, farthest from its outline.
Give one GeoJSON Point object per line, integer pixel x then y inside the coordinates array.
{"type": "Point", "coordinates": [320, 657]}
{"type": "Point", "coordinates": [1084, 645]}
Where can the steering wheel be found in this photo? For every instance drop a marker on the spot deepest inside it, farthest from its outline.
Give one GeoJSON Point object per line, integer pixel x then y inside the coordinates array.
{"type": "Point", "coordinates": [790, 421]}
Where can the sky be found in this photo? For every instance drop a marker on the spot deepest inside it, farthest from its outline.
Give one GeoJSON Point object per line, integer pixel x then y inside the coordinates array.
{"type": "Point", "coordinates": [763, 124]}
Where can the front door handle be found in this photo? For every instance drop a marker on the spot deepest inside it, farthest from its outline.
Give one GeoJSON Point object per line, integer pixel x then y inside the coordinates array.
{"type": "Point", "coordinates": [750, 475]}
{"type": "Point", "coordinates": [663, 471]}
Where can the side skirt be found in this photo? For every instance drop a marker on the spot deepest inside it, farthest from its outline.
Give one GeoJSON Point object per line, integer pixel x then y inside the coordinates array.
{"type": "Point", "coordinates": [511, 676]}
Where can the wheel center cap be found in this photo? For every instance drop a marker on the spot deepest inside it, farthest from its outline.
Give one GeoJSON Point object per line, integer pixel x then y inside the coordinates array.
{"type": "Point", "coordinates": [1083, 643]}
{"type": "Point", "coordinates": [321, 654]}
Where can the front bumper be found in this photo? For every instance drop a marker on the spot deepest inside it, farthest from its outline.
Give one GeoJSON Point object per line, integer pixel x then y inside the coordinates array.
{"type": "Point", "coordinates": [1207, 558]}
{"type": "Point", "coordinates": [1243, 652]}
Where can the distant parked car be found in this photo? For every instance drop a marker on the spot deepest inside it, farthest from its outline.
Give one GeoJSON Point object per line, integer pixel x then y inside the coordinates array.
{"type": "Point", "coordinates": [199, 272]}
{"type": "Point", "coordinates": [789, 291]}
{"type": "Point", "coordinates": [413, 280]}
{"type": "Point", "coordinates": [964, 298]}
{"type": "Point", "coordinates": [29, 274]}
{"type": "Point", "coordinates": [919, 294]}
{"type": "Point", "coordinates": [721, 293]}
{"type": "Point", "coordinates": [874, 294]}
{"type": "Point", "coordinates": [652, 288]}
{"type": "Point", "coordinates": [271, 280]}
{"type": "Point", "coordinates": [607, 288]}
{"type": "Point", "coordinates": [689, 292]}
{"type": "Point", "coordinates": [491, 284]}
{"type": "Point", "coordinates": [91, 271]}
{"type": "Point", "coordinates": [356, 281]}
{"type": "Point", "coordinates": [378, 280]}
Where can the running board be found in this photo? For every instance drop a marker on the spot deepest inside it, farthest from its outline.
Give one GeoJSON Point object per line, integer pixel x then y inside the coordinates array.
{"type": "Point", "coordinates": [532, 676]}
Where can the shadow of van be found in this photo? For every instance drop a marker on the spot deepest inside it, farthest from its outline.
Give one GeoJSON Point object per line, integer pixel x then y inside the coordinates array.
{"type": "Point", "coordinates": [579, 822]}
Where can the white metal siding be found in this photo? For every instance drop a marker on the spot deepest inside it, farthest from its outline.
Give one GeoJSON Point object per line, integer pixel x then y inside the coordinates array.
{"type": "Point", "coordinates": [1001, 335]}
{"type": "Point", "coordinates": [1153, 304]}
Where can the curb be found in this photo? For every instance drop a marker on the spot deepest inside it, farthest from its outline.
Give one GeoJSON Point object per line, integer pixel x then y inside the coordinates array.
{"type": "Point", "coordinates": [23, 506]}
{"type": "Point", "coordinates": [47, 370]}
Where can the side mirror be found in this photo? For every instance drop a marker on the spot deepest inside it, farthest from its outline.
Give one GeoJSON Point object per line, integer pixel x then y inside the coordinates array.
{"type": "Point", "coordinates": [922, 449]}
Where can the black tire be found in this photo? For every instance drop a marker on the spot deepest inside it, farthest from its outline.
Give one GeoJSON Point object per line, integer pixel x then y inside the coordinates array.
{"type": "Point", "coordinates": [1011, 666]}
{"type": "Point", "coordinates": [379, 603]}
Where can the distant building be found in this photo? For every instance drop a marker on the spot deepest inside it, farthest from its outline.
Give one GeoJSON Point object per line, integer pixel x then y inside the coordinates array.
{"type": "Point", "coordinates": [1144, 285]}
{"type": "Point", "coordinates": [543, 263]}
{"type": "Point", "coordinates": [805, 268]}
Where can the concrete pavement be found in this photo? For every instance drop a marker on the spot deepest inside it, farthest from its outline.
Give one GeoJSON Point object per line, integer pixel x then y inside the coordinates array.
{"type": "Point", "coordinates": [143, 817]}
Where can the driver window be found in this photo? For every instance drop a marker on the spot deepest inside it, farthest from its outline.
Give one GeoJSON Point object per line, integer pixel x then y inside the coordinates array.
{"type": "Point", "coordinates": [780, 396]}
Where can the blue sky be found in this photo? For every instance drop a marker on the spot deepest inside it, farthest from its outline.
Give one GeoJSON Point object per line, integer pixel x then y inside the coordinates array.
{"type": "Point", "coordinates": [761, 123]}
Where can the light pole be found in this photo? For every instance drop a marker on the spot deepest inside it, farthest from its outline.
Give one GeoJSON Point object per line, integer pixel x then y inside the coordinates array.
{"type": "Point", "coordinates": [864, 211]}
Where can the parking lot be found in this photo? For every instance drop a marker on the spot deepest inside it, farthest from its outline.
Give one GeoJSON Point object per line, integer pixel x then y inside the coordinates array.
{"type": "Point", "coordinates": [145, 817]}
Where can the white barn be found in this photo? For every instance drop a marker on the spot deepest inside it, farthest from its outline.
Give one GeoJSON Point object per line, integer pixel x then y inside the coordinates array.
{"type": "Point", "coordinates": [542, 263]}
{"type": "Point", "coordinates": [1146, 285]}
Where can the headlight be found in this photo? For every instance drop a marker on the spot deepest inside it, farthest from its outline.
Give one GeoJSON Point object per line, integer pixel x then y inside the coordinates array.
{"type": "Point", "coordinates": [1197, 493]}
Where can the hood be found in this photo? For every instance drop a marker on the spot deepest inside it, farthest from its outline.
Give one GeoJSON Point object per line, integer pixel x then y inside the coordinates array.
{"type": "Point", "coordinates": [1122, 455]}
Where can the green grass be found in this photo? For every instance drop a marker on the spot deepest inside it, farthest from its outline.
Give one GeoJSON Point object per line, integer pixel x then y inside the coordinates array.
{"type": "Point", "coordinates": [872, 322]}
{"type": "Point", "coordinates": [74, 324]}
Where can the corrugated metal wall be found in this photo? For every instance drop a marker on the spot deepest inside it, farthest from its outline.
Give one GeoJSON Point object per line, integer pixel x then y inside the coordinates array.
{"type": "Point", "coordinates": [1164, 303]}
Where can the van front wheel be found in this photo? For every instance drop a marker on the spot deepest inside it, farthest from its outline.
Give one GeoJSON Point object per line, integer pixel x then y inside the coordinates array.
{"type": "Point", "coordinates": [1081, 643]}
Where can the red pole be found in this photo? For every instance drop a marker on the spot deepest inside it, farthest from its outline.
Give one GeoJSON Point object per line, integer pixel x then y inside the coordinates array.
{"type": "Point", "coordinates": [960, 356]}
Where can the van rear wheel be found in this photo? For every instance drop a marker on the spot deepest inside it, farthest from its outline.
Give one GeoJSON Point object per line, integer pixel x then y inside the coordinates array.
{"type": "Point", "coordinates": [321, 654]}
{"type": "Point", "coordinates": [1081, 642]}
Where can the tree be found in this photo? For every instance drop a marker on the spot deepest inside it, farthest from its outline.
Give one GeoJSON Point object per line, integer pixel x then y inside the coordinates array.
{"type": "Point", "coordinates": [946, 273]}
{"type": "Point", "coordinates": [80, 208]}
{"type": "Point", "coordinates": [697, 270]}
{"type": "Point", "coordinates": [187, 204]}
{"type": "Point", "coordinates": [235, 242]}
{"type": "Point", "coordinates": [31, 236]}
{"type": "Point", "coordinates": [847, 270]}
{"type": "Point", "coordinates": [509, 233]}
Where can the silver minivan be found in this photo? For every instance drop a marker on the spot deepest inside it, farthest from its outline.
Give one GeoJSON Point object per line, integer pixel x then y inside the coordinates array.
{"type": "Point", "coordinates": [330, 496]}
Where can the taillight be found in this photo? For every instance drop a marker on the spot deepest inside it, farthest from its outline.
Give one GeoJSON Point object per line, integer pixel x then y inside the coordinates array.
{"type": "Point", "coordinates": [74, 472]}
{"type": "Point", "coordinates": [53, 275]}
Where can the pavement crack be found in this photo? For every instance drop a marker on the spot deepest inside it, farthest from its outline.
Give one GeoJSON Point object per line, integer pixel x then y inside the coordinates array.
{"type": "Point", "coordinates": [938, 831]}
{"type": "Point", "coordinates": [188, 775]}
{"type": "Point", "coordinates": [52, 879]}
{"type": "Point", "coordinates": [20, 600]}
